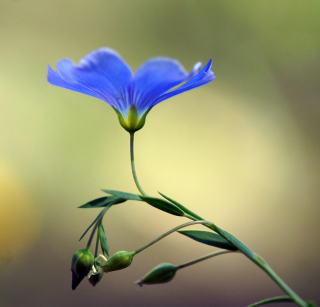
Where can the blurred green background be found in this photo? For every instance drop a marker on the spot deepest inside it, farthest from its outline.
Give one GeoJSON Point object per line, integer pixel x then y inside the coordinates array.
{"type": "Point", "coordinates": [243, 151]}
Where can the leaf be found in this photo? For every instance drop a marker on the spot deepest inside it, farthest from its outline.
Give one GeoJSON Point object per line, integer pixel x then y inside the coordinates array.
{"type": "Point", "coordinates": [276, 299]}
{"type": "Point", "coordinates": [240, 246]}
{"type": "Point", "coordinates": [183, 208]}
{"type": "Point", "coordinates": [96, 203]}
{"type": "Point", "coordinates": [171, 200]}
{"type": "Point", "coordinates": [163, 205]}
{"type": "Point", "coordinates": [103, 239]}
{"type": "Point", "coordinates": [123, 195]}
{"type": "Point", "coordinates": [209, 238]}
{"type": "Point", "coordinates": [90, 226]}
{"type": "Point", "coordinates": [102, 202]}
{"type": "Point", "coordinates": [101, 214]}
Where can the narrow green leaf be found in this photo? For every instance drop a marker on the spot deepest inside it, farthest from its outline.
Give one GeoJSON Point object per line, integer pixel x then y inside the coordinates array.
{"type": "Point", "coordinates": [90, 226]}
{"type": "Point", "coordinates": [171, 200]}
{"type": "Point", "coordinates": [103, 239]}
{"type": "Point", "coordinates": [276, 299]}
{"type": "Point", "coordinates": [233, 240]}
{"type": "Point", "coordinates": [102, 202]}
{"type": "Point", "coordinates": [96, 203]}
{"type": "Point", "coordinates": [127, 196]}
{"type": "Point", "coordinates": [209, 238]}
{"type": "Point", "coordinates": [163, 205]}
{"type": "Point", "coordinates": [182, 207]}
{"type": "Point", "coordinates": [99, 215]}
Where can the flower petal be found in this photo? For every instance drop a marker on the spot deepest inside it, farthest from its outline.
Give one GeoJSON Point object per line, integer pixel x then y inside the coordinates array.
{"type": "Point", "coordinates": [203, 77]}
{"type": "Point", "coordinates": [55, 79]}
{"type": "Point", "coordinates": [102, 71]}
{"type": "Point", "coordinates": [153, 78]}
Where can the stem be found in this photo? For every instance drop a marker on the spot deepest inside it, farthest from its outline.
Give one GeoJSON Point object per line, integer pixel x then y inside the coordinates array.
{"type": "Point", "coordinates": [97, 246]}
{"type": "Point", "coordinates": [99, 220]}
{"type": "Point", "coordinates": [229, 237]}
{"type": "Point", "coordinates": [184, 265]}
{"type": "Point", "coordinates": [93, 231]}
{"type": "Point", "coordinates": [167, 233]}
{"type": "Point", "coordinates": [295, 297]}
{"type": "Point", "coordinates": [133, 166]}
{"type": "Point", "coordinates": [257, 260]}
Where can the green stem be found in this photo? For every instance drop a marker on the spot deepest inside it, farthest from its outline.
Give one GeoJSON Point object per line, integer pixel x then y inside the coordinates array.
{"type": "Point", "coordinates": [257, 260]}
{"type": "Point", "coordinates": [168, 233]}
{"type": "Point", "coordinates": [295, 297]}
{"type": "Point", "coordinates": [97, 246]}
{"type": "Point", "coordinates": [184, 265]}
{"type": "Point", "coordinates": [229, 237]}
{"type": "Point", "coordinates": [99, 220]}
{"type": "Point", "coordinates": [133, 166]}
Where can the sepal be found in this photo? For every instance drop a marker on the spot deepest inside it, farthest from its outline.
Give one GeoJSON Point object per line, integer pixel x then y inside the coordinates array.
{"type": "Point", "coordinates": [133, 122]}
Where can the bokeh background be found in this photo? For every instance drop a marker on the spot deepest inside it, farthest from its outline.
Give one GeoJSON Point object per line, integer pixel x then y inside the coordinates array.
{"type": "Point", "coordinates": [243, 151]}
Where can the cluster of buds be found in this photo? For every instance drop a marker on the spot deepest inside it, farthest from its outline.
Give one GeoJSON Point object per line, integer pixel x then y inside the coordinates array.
{"type": "Point", "coordinates": [84, 264]}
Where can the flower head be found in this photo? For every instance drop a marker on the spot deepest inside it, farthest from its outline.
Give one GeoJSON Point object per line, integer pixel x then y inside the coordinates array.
{"type": "Point", "coordinates": [105, 75]}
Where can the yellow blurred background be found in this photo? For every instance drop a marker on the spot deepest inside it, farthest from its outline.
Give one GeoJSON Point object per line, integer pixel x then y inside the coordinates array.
{"type": "Point", "coordinates": [243, 151]}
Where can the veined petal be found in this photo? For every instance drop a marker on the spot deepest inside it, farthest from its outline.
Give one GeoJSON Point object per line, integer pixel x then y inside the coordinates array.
{"type": "Point", "coordinates": [203, 77]}
{"type": "Point", "coordinates": [102, 71]}
{"type": "Point", "coordinates": [153, 78]}
{"type": "Point", "coordinates": [54, 78]}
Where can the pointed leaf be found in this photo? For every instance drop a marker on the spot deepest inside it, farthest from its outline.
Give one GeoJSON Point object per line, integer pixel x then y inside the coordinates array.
{"type": "Point", "coordinates": [99, 202]}
{"type": "Point", "coordinates": [171, 200]}
{"type": "Point", "coordinates": [101, 214]}
{"type": "Point", "coordinates": [209, 238]}
{"type": "Point", "coordinates": [127, 196]}
{"type": "Point", "coordinates": [183, 208]}
{"type": "Point", "coordinates": [89, 227]}
{"type": "Point", "coordinates": [103, 239]}
{"type": "Point", "coordinates": [233, 240]}
{"type": "Point", "coordinates": [273, 300]}
{"type": "Point", "coordinates": [163, 205]}
{"type": "Point", "coordinates": [102, 202]}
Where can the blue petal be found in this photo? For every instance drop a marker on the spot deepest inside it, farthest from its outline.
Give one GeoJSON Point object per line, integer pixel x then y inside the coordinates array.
{"type": "Point", "coordinates": [55, 79]}
{"type": "Point", "coordinates": [154, 78]}
{"type": "Point", "coordinates": [203, 77]}
{"type": "Point", "coordinates": [103, 72]}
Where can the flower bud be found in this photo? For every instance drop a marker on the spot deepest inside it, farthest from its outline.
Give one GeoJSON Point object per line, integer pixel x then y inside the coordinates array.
{"type": "Point", "coordinates": [95, 278]}
{"type": "Point", "coordinates": [118, 261]}
{"type": "Point", "coordinates": [162, 273]}
{"type": "Point", "coordinates": [81, 264]}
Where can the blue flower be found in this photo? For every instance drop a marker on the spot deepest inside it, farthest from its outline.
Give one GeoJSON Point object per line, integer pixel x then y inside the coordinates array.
{"type": "Point", "coordinates": [105, 75]}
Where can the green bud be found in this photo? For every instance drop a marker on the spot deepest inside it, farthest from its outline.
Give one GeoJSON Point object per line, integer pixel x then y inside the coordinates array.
{"type": "Point", "coordinates": [81, 265]}
{"type": "Point", "coordinates": [162, 273]}
{"type": "Point", "coordinates": [118, 261]}
{"type": "Point", "coordinates": [95, 278]}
